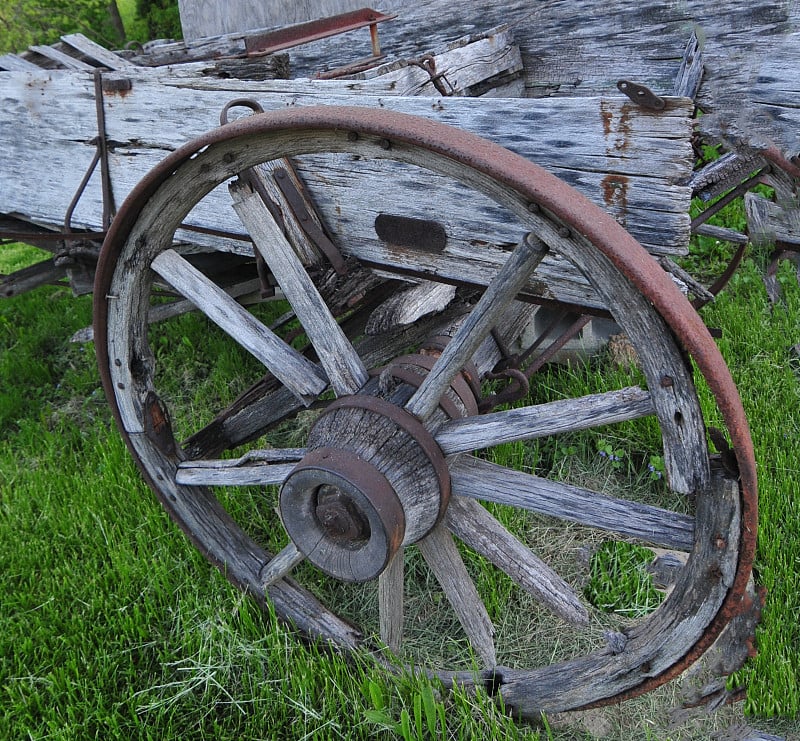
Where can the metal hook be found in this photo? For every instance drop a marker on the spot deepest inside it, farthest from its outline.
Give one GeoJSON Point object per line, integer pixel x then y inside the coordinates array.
{"type": "Point", "coordinates": [237, 103]}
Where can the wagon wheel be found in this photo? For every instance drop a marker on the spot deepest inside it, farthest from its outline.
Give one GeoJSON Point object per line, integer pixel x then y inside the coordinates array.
{"type": "Point", "coordinates": [385, 470]}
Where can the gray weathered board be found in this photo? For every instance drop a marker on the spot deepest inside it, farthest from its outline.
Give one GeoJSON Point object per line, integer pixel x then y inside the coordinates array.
{"type": "Point", "coordinates": [210, 17]}
{"type": "Point", "coordinates": [625, 158]}
{"type": "Point", "coordinates": [749, 51]}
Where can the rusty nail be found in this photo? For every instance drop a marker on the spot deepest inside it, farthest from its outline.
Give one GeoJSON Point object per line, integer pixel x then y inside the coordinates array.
{"type": "Point", "coordinates": [534, 208]}
{"type": "Point", "coordinates": [352, 136]}
{"type": "Point", "coordinates": [667, 382]}
{"type": "Point", "coordinates": [564, 232]}
{"type": "Point", "coordinates": [720, 542]}
{"type": "Point", "coordinates": [385, 144]}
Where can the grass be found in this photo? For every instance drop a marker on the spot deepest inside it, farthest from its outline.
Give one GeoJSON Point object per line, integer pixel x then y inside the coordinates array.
{"type": "Point", "coordinates": [112, 626]}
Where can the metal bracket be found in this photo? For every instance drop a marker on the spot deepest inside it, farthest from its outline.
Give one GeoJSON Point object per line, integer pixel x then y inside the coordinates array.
{"type": "Point", "coordinates": [303, 33]}
{"type": "Point", "coordinates": [312, 230]}
{"type": "Point", "coordinates": [641, 95]}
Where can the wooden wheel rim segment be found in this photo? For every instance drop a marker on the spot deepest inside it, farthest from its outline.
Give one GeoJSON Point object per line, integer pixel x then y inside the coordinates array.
{"type": "Point", "coordinates": [498, 173]}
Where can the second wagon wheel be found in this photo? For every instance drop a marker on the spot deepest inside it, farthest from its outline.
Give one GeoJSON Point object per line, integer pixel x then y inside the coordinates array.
{"type": "Point", "coordinates": [359, 457]}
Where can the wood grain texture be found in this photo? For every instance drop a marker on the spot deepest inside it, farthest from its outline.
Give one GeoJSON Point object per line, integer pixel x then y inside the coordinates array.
{"type": "Point", "coordinates": [479, 479]}
{"type": "Point", "coordinates": [342, 365]}
{"type": "Point", "coordinates": [625, 160]}
{"type": "Point", "coordinates": [92, 50]}
{"type": "Point", "coordinates": [221, 473]}
{"type": "Point", "coordinates": [551, 418]}
{"type": "Point", "coordinates": [296, 372]}
{"type": "Point", "coordinates": [469, 521]}
{"type": "Point", "coordinates": [770, 222]}
{"type": "Point", "coordinates": [391, 602]}
{"type": "Point", "coordinates": [211, 17]}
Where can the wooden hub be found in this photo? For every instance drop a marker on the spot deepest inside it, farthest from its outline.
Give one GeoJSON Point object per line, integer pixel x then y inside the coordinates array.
{"type": "Point", "coordinates": [374, 479]}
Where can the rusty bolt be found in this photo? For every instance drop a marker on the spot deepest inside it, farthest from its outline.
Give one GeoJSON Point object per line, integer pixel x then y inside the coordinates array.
{"type": "Point", "coordinates": [667, 382]}
{"type": "Point", "coordinates": [339, 516]}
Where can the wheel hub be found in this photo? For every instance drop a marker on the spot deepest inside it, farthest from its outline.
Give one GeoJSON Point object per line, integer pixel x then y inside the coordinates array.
{"type": "Point", "coordinates": [373, 479]}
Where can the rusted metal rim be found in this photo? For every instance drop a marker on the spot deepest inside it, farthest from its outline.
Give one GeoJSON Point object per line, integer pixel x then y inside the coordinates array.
{"type": "Point", "coordinates": [552, 195]}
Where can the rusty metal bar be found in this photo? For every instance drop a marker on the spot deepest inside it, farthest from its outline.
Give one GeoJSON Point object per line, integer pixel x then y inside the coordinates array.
{"type": "Point", "coordinates": [303, 33]}
{"type": "Point", "coordinates": [739, 190]}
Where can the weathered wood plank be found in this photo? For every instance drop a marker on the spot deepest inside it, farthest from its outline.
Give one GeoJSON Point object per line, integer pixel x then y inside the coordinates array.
{"type": "Point", "coordinates": [298, 374]}
{"type": "Point", "coordinates": [490, 307]}
{"type": "Point", "coordinates": [391, 602]}
{"type": "Point", "coordinates": [724, 173]}
{"type": "Point", "coordinates": [584, 54]}
{"type": "Point", "coordinates": [15, 63]}
{"type": "Point", "coordinates": [770, 222]}
{"type": "Point", "coordinates": [763, 112]}
{"type": "Point", "coordinates": [690, 73]}
{"type": "Point", "coordinates": [552, 418]}
{"type": "Point", "coordinates": [94, 51]}
{"type": "Point", "coordinates": [468, 520]}
{"type": "Point", "coordinates": [464, 67]}
{"type": "Point", "coordinates": [625, 160]}
{"type": "Point", "coordinates": [344, 368]}
{"type": "Point", "coordinates": [442, 556]}
{"type": "Point", "coordinates": [64, 60]}
{"type": "Point", "coordinates": [209, 17]}
{"type": "Point", "coordinates": [406, 306]}
{"type": "Point", "coordinates": [478, 479]}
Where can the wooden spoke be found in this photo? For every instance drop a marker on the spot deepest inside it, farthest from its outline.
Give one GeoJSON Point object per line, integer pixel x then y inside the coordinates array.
{"type": "Point", "coordinates": [490, 307]}
{"type": "Point", "coordinates": [479, 479]}
{"type": "Point", "coordinates": [256, 468]}
{"type": "Point", "coordinates": [442, 556]}
{"type": "Point", "coordinates": [390, 602]}
{"type": "Point", "coordinates": [470, 521]}
{"type": "Point", "coordinates": [263, 405]}
{"type": "Point", "coordinates": [281, 565]}
{"type": "Point", "coordinates": [527, 423]}
{"type": "Point", "coordinates": [345, 370]}
{"type": "Point", "coordinates": [162, 312]}
{"type": "Point", "coordinates": [297, 373]}
{"type": "Point", "coordinates": [267, 403]}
